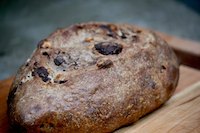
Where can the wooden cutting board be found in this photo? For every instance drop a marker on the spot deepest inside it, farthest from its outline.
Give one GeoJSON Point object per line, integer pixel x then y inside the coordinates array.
{"type": "Point", "coordinates": [180, 114]}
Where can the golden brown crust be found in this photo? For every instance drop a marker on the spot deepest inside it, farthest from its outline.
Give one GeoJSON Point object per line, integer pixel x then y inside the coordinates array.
{"type": "Point", "coordinates": [92, 77]}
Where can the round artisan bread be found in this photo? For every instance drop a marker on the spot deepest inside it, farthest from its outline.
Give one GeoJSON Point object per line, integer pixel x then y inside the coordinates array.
{"type": "Point", "coordinates": [92, 77]}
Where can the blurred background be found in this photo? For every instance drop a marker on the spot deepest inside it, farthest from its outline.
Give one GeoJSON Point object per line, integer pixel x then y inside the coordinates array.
{"type": "Point", "coordinates": [23, 23]}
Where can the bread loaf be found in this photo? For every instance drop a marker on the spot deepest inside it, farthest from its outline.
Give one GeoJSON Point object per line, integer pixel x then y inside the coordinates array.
{"type": "Point", "coordinates": [92, 77]}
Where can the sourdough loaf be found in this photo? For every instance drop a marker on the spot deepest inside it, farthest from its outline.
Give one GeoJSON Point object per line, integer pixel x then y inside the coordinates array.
{"type": "Point", "coordinates": [92, 77]}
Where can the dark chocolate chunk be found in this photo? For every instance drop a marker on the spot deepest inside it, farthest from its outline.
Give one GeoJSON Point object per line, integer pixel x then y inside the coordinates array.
{"type": "Point", "coordinates": [42, 73]}
{"type": "Point", "coordinates": [59, 60]}
{"type": "Point", "coordinates": [108, 48]}
{"type": "Point", "coordinates": [60, 81]}
{"type": "Point", "coordinates": [46, 54]}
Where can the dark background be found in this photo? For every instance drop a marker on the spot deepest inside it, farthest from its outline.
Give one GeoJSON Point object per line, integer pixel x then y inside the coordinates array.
{"type": "Point", "coordinates": [24, 23]}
